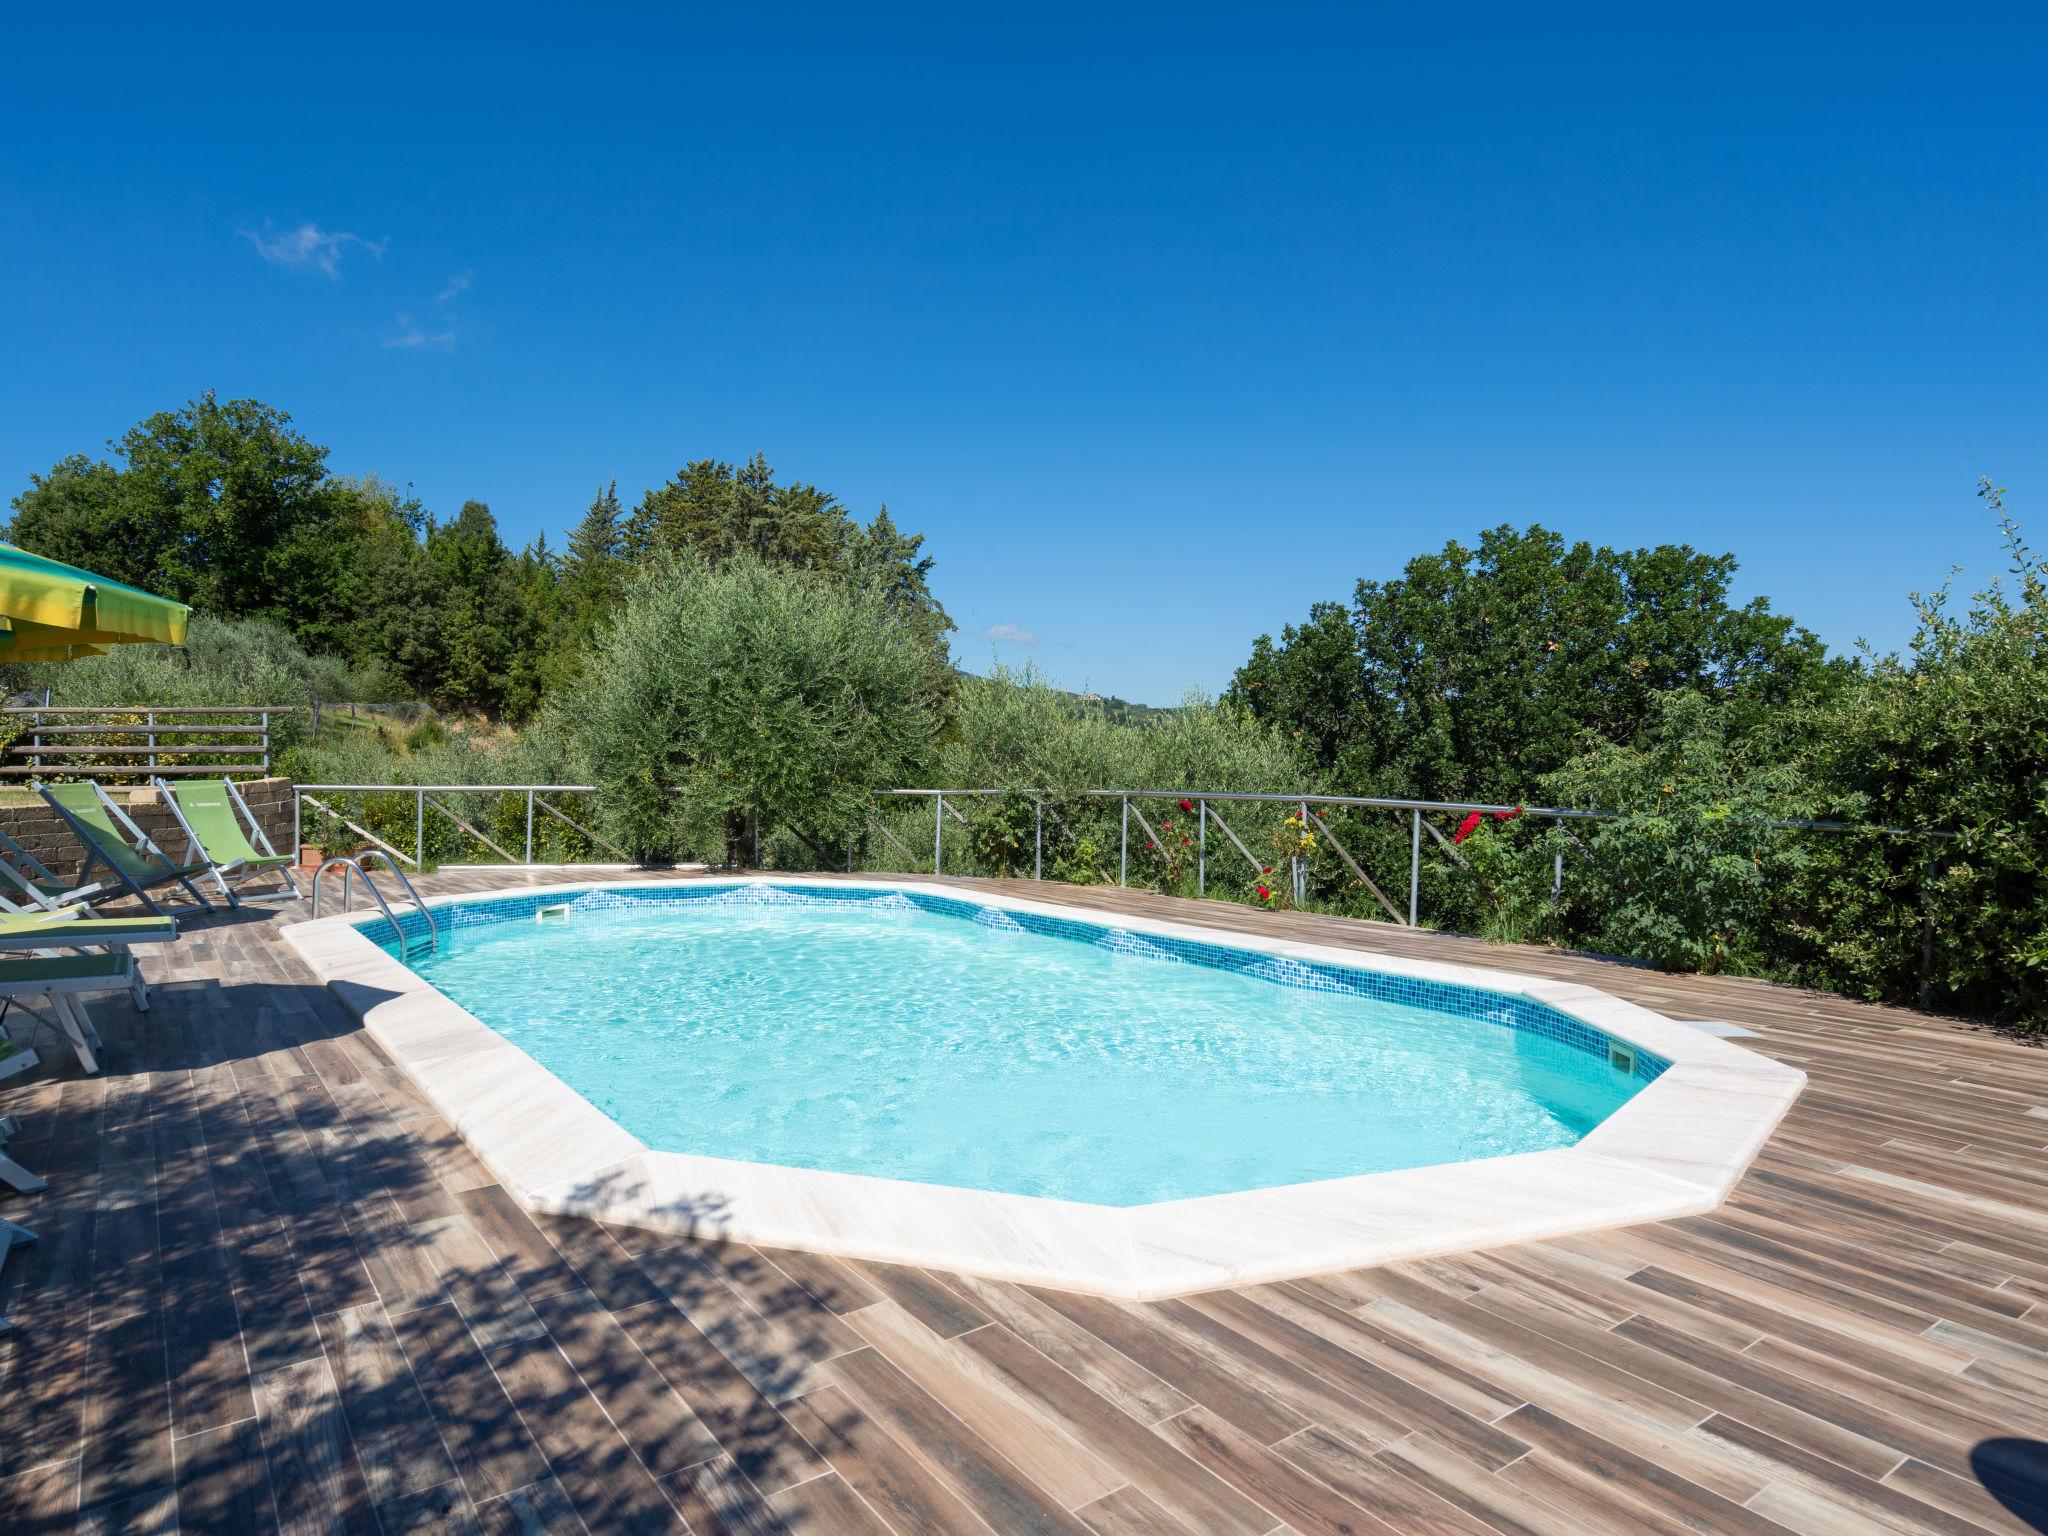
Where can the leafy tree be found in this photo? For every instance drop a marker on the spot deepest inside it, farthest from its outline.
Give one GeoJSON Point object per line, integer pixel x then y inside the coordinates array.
{"type": "Point", "coordinates": [1479, 670]}
{"type": "Point", "coordinates": [1311, 685]}
{"type": "Point", "coordinates": [222, 504]}
{"type": "Point", "coordinates": [714, 513]}
{"type": "Point", "coordinates": [592, 571]}
{"type": "Point", "coordinates": [1951, 737]}
{"type": "Point", "coordinates": [1697, 874]}
{"type": "Point", "coordinates": [75, 514]}
{"type": "Point", "coordinates": [587, 584]}
{"type": "Point", "coordinates": [387, 609]}
{"type": "Point", "coordinates": [882, 560]}
{"type": "Point", "coordinates": [717, 512]}
{"type": "Point", "coordinates": [733, 693]}
{"type": "Point", "coordinates": [482, 620]}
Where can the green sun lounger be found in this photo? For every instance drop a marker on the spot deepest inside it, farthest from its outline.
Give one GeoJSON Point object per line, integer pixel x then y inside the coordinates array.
{"type": "Point", "coordinates": [59, 930]}
{"type": "Point", "coordinates": [111, 838]}
{"type": "Point", "coordinates": [207, 811]}
{"type": "Point", "coordinates": [63, 980]}
{"type": "Point", "coordinates": [42, 932]}
{"type": "Point", "coordinates": [23, 870]}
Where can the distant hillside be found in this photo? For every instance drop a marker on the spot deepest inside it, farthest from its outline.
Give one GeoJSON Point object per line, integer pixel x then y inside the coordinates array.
{"type": "Point", "coordinates": [1118, 711]}
{"type": "Point", "coordinates": [1111, 708]}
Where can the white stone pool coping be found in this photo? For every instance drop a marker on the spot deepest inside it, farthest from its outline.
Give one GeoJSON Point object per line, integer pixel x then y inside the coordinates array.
{"type": "Point", "coordinates": [1675, 1149]}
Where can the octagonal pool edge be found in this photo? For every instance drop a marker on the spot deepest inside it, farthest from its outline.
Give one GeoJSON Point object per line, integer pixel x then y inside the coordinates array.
{"type": "Point", "coordinates": [1677, 1147]}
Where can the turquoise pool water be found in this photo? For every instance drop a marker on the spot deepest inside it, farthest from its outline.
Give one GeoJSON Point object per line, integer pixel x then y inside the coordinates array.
{"type": "Point", "coordinates": [952, 1047]}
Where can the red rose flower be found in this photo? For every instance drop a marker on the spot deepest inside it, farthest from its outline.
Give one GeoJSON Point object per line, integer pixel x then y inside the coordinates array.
{"type": "Point", "coordinates": [1264, 894]}
{"type": "Point", "coordinates": [1507, 815]}
{"type": "Point", "coordinates": [1188, 806]}
{"type": "Point", "coordinates": [1466, 827]}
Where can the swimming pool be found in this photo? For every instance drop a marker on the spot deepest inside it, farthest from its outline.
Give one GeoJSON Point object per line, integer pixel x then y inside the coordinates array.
{"type": "Point", "coordinates": [925, 1038]}
{"type": "Point", "coordinates": [1020, 1089]}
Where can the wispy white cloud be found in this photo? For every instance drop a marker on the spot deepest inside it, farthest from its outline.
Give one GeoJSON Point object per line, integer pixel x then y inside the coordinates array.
{"type": "Point", "coordinates": [1015, 634]}
{"type": "Point", "coordinates": [410, 337]}
{"type": "Point", "coordinates": [309, 247]}
{"type": "Point", "coordinates": [459, 283]}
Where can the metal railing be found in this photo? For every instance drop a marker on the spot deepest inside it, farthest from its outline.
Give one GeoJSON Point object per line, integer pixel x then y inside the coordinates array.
{"type": "Point", "coordinates": [1204, 802]}
{"type": "Point", "coordinates": [140, 741]}
{"type": "Point", "coordinates": [1207, 806]}
{"type": "Point", "coordinates": [432, 797]}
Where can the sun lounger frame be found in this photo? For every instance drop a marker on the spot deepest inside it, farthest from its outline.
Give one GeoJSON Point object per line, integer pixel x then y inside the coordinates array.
{"type": "Point", "coordinates": [221, 873]}
{"type": "Point", "coordinates": [144, 846]}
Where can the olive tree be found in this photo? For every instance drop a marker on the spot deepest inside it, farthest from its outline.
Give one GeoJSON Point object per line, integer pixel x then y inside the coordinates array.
{"type": "Point", "coordinates": [747, 692]}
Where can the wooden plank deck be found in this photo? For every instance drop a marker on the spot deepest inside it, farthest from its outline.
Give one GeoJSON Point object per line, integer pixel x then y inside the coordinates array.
{"type": "Point", "coordinates": [275, 1292]}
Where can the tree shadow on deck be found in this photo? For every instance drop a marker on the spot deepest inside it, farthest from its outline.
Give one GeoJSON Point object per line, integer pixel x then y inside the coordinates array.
{"type": "Point", "coordinates": [260, 1239]}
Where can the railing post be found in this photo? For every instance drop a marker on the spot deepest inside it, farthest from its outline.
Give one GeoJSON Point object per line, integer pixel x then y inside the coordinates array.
{"type": "Point", "coordinates": [265, 719]}
{"type": "Point", "coordinates": [1557, 877]}
{"type": "Point", "coordinates": [938, 830]}
{"type": "Point", "coordinates": [1037, 838]}
{"type": "Point", "coordinates": [298, 837]}
{"type": "Point", "coordinates": [1414, 868]}
{"type": "Point", "coordinates": [419, 829]}
{"type": "Point", "coordinates": [529, 826]}
{"type": "Point", "coordinates": [149, 722]}
{"type": "Point", "coordinates": [1928, 871]}
{"type": "Point", "coordinates": [1202, 848]}
{"type": "Point", "coordinates": [1301, 863]}
{"type": "Point", "coordinates": [1123, 851]}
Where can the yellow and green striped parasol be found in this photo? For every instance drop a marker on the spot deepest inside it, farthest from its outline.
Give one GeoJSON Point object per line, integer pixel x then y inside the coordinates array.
{"type": "Point", "coordinates": [50, 611]}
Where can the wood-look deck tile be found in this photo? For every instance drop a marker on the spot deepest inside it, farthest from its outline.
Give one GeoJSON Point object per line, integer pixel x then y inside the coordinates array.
{"type": "Point", "coordinates": [1854, 1343]}
{"type": "Point", "coordinates": [603, 1480]}
{"type": "Point", "coordinates": [747, 1426]}
{"type": "Point", "coordinates": [893, 1480]}
{"type": "Point", "coordinates": [826, 1506]}
{"type": "Point", "coordinates": [538, 1509]}
{"type": "Point", "coordinates": [1268, 1478]}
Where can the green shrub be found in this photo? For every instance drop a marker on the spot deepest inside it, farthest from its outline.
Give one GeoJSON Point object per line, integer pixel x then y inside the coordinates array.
{"type": "Point", "coordinates": [223, 661]}
{"type": "Point", "coordinates": [1952, 736]}
{"type": "Point", "coordinates": [749, 691]}
{"type": "Point", "coordinates": [1012, 730]}
{"type": "Point", "coordinates": [1694, 876]}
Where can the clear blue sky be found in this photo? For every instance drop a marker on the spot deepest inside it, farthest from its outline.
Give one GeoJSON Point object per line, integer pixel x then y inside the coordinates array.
{"type": "Point", "coordinates": [1160, 323]}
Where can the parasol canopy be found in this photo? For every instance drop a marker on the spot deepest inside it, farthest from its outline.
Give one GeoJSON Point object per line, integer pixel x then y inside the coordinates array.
{"type": "Point", "coordinates": [50, 611]}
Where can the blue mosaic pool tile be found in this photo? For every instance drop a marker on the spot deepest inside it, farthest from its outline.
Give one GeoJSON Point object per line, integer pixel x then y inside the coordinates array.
{"type": "Point", "coordinates": [1507, 1010]}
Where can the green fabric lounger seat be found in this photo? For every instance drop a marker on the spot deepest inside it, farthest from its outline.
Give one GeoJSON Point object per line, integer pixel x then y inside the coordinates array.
{"type": "Point", "coordinates": [69, 972]}
{"type": "Point", "coordinates": [33, 924]}
{"type": "Point", "coordinates": [207, 810]}
{"type": "Point", "coordinates": [111, 838]}
{"type": "Point", "coordinates": [69, 921]}
{"type": "Point", "coordinates": [57, 930]}
{"type": "Point", "coordinates": [63, 979]}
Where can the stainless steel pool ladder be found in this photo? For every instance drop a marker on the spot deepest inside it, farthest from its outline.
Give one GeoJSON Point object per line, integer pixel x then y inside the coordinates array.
{"type": "Point", "coordinates": [359, 864]}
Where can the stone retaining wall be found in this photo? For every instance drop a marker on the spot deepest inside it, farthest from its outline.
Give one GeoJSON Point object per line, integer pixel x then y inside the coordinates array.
{"type": "Point", "coordinates": [37, 828]}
